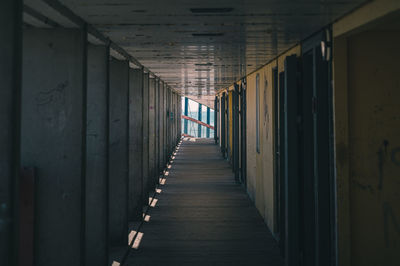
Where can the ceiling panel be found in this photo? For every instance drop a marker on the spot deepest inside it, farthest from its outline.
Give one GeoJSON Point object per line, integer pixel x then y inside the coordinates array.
{"type": "Point", "coordinates": [199, 47]}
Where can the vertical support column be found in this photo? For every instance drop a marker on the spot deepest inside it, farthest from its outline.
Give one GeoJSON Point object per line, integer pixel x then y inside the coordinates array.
{"type": "Point", "coordinates": [53, 139]}
{"type": "Point", "coordinates": [174, 120]}
{"type": "Point", "coordinates": [118, 160]}
{"type": "Point", "coordinates": [96, 222]}
{"type": "Point", "coordinates": [216, 119]}
{"type": "Point", "coordinates": [171, 131]}
{"type": "Point", "coordinates": [185, 130]}
{"type": "Point", "coordinates": [152, 138]}
{"type": "Point", "coordinates": [179, 119]}
{"type": "Point", "coordinates": [10, 97]}
{"type": "Point", "coordinates": [227, 131]}
{"type": "Point", "coordinates": [168, 125]}
{"type": "Point", "coordinates": [146, 139]}
{"type": "Point", "coordinates": [208, 122]}
{"type": "Point", "coordinates": [135, 180]}
{"type": "Point", "coordinates": [199, 118]}
{"type": "Point", "coordinates": [243, 133]}
{"type": "Point", "coordinates": [161, 130]}
{"type": "Point", "coordinates": [165, 124]}
{"type": "Point", "coordinates": [223, 126]}
{"type": "Point", "coordinates": [156, 130]}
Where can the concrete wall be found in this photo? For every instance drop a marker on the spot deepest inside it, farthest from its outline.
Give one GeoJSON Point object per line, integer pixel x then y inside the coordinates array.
{"type": "Point", "coordinates": [366, 135]}
{"type": "Point", "coordinates": [168, 129]}
{"type": "Point", "coordinates": [152, 134]}
{"type": "Point", "coordinates": [146, 139]}
{"type": "Point", "coordinates": [135, 181]}
{"type": "Point", "coordinates": [157, 129]}
{"type": "Point", "coordinates": [118, 158]}
{"type": "Point", "coordinates": [161, 163]}
{"type": "Point", "coordinates": [96, 232]}
{"type": "Point", "coordinates": [53, 139]}
{"type": "Point", "coordinates": [10, 76]}
{"type": "Point", "coordinates": [166, 124]}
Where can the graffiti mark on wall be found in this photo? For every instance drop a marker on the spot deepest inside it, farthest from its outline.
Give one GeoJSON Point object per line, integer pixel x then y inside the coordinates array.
{"type": "Point", "coordinates": [381, 160]}
{"type": "Point", "coordinates": [389, 218]}
{"type": "Point", "coordinates": [51, 105]}
{"type": "Point", "coordinates": [395, 156]}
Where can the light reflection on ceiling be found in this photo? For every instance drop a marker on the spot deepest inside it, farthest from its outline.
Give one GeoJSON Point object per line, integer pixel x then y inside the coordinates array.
{"type": "Point", "coordinates": [199, 47]}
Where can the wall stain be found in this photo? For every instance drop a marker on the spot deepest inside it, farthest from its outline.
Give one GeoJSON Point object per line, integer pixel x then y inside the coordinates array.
{"type": "Point", "coordinates": [363, 187]}
{"type": "Point", "coordinates": [51, 105]}
{"type": "Point", "coordinates": [388, 213]}
{"type": "Point", "coordinates": [382, 153]}
{"type": "Point", "coordinates": [395, 156]}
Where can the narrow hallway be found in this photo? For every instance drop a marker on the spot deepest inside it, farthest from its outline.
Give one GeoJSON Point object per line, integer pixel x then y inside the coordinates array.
{"type": "Point", "coordinates": [202, 217]}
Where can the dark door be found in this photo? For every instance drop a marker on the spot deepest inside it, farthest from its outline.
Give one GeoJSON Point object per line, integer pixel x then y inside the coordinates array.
{"type": "Point", "coordinates": [307, 199]}
{"type": "Point", "coordinates": [291, 156]}
{"type": "Point", "coordinates": [243, 139]}
{"type": "Point", "coordinates": [281, 160]}
{"type": "Point", "coordinates": [235, 132]}
{"type": "Point", "coordinates": [277, 176]}
{"type": "Point", "coordinates": [317, 173]}
{"type": "Point", "coordinates": [227, 141]}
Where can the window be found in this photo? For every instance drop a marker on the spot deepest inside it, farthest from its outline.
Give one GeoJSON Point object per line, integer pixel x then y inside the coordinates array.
{"type": "Point", "coordinates": [258, 113]}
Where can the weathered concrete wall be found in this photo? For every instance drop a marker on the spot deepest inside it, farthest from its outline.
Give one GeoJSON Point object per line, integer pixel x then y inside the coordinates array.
{"type": "Point", "coordinates": [157, 129]}
{"type": "Point", "coordinates": [10, 76]}
{"type": "Point", "coordinates": [52, 141]}
{"type": "Point", "coordinates": [118, 158]}
{"type": "Point", "coordinates": [152, 134]}
{"type": "Point", "coordinates": [365, 111]}
{"type": "Point", "coordinates": [168, 128]}
{"type": "Point", "coordinates": [368, 147]}
{"type": "Point", "coordinates": [165, 117]}
{"type": "Point", "coordinates": [173, 129]}
{"type": "Point", "coordinates": [96, 244]}
{"type": "Point", "coordinates": [161, 128]}
{"type": "Point", "coordinates": [146, 139]}
{"type": "Point", "coordinates": [135, 144]}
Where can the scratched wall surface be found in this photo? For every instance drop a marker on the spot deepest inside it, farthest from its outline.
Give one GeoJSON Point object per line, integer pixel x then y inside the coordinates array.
{"type": "Point", "coordinates": [9, 77]}
{"type": "Point", "coordinates": [96, 155]}
{"type": "Point", "coordinates": [374, 119]}
{"type": "Point", "coordinates": [52, 139]}
{"type": "Point", "coordinates": [118, 152]}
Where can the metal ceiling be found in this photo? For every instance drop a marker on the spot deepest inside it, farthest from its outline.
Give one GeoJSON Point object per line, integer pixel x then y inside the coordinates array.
{"type": "Point", "coordinates": [199, 47]}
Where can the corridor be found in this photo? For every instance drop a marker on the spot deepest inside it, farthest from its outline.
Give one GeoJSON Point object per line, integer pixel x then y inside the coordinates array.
{"type": "Point", "coordinates": [202, 217]}
{"type": "Point", "coordinates": [230, 132]}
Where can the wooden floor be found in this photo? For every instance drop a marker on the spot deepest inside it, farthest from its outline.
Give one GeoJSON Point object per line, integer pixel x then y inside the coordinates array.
{"type": "Point", "coordinates": [202, 217]}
